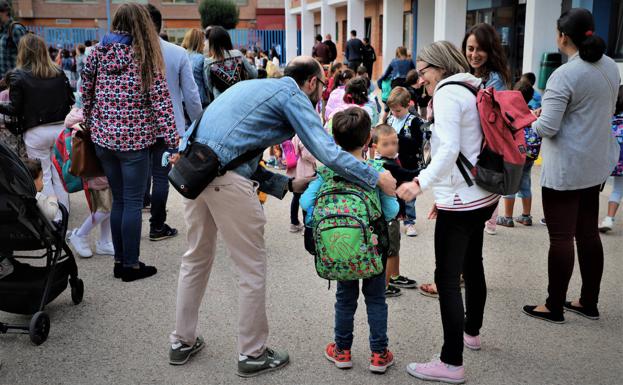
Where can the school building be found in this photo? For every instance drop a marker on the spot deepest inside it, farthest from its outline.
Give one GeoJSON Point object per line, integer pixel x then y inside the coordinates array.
{"type": "Point", "coordinates": [527, 27]}
{"type": "Point", "coordinates": [178, 15]}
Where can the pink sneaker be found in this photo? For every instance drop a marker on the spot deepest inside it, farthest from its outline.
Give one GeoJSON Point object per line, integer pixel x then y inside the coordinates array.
{"type": "Point", "coordinates": [471, 342]}
{"type": "Point", "coordinates": [436, 370]}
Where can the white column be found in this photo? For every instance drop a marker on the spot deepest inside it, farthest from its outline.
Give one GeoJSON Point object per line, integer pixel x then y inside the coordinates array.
{"type": "Point", "coordinates": [392, 29]}
{"type": "Point", "coordinates": [355, 10]}
{"type": "Point", "coordinates": [307, 29]}
{"type": "Point", "coordinates": [327, 19]}
{"type": "Point", "coordinates": [425, 24]}
{"type": "Point", "coordinates": [291, 32]}
{"type": "Point", "coordinates": [450, 20]}
{"type": "Point", "coordinates": [540, 32]}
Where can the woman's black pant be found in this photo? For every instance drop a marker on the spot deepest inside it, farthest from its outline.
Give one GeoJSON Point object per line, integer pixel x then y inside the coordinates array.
{"type": "Point", "coordinates": [458, 249]}
{"type": "Point", "coordinates": [573, 215]}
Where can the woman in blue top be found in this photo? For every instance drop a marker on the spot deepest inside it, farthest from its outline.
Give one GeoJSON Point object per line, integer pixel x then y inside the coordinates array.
{"type": "Point", "coordinates": [483, 49]}
{"type": "Point", "coordinates": [397, 70]}
{"type": "Point", "coordinates": [193, 44]}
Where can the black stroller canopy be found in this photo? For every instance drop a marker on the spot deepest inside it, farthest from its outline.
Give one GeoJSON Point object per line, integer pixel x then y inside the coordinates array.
{"type": "Point", "coordinates": [14, 176]}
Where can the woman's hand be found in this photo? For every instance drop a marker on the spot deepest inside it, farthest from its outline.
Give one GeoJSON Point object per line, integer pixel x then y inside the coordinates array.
{"type": "Point", "coordinates": [408, 191]}
{"type": "Point", "coordinates": [433, 212]}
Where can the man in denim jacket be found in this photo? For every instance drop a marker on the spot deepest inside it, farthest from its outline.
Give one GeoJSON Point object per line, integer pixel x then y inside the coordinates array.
{"type": "Point", "coordinates": [252, 115]}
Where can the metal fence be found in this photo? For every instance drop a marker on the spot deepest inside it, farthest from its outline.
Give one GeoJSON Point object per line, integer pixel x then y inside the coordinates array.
{"type": "Point", "coordinates": [241, 38]}
{"type": "Point", "coordinates": [67, 37]}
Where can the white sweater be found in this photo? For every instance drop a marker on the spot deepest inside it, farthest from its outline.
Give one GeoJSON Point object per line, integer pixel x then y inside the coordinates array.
{"type": "Point", "coordinates": [456, 129]}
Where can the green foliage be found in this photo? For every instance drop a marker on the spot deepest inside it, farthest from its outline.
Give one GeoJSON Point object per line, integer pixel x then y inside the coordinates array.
{"type": "Point", "coordinates": [219, 12]}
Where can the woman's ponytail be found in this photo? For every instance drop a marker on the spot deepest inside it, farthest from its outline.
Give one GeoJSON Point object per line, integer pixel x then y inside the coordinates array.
{"type": "Point", "coordinates": [578, 24]}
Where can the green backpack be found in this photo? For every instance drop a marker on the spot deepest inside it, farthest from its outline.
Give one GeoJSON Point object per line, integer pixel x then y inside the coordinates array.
{"type": "Point", "coordinates": [349, 230]}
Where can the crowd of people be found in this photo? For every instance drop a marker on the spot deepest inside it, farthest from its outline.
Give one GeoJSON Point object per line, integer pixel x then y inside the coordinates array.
{"type": "Point", "coordinates": [146, 102]}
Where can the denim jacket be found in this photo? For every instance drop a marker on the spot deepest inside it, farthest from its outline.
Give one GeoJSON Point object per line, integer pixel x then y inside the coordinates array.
{"type": "Point", "coordinates": [196, 62]}
{"type": "Point", "coordinates": [256, 114]}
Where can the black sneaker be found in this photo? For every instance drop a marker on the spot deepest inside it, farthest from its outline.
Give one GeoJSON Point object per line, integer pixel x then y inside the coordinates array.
{"type": "Point", "coordinates": [180, 353]}
{"type": "Point", "coordinates": [129, 274]}
{"type": "Point", "coordinates": [403, 282]}
{"type": "Point", "coordinates": [116, 271]}
{"type": "Point", "coordinates": [590, 313]}
{"type": "Point", "coordinates": [545, 316]}
{"type": "Point", "coordinates": [164, 233]}
{"type": "Point", "coordinates": [392, 291]}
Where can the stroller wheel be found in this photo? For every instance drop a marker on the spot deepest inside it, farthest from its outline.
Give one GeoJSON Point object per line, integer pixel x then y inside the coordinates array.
{"type": "Point", "coordinates": [39, 328]}
{"type": "Point", "coordinates": [77, 291]}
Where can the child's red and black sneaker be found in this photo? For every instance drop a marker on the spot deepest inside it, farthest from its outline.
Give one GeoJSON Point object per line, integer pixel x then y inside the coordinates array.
{"type": "Point", "coordinates": [341, 358]}
{"type": "Point", "coordinates": [380, 361]}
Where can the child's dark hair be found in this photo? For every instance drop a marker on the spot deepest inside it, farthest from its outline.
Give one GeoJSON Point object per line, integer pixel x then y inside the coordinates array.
{"type": "Point", "coordinates": [529, 76]}
{"type": "Point", "coordinates": [362, 70]}
{"type": "Point", "coordinates": [619, 105]}
{"type": "Point", "coordinates": [412, 77]}
{"type": "Point", "coordinates": [261, 73]}
{"type": "Point", "coordinates": [33, 166]}
{"type": "Point", "coordinates": [356, 91]}
{"type": "Point", "coordinates": [579, 25]}
{"type": "Point", "coordinates": [351, 128]}
{"type": "Point", "coordinates": [381, 130]}
{"type": "Point", "coordinates": [524, 86]}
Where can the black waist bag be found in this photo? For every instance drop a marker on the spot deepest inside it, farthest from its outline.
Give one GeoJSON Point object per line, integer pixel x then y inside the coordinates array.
{"type": "Point", "coordinates": [198, 165]}
{"type": "Point", "coordinates": [192, 173]}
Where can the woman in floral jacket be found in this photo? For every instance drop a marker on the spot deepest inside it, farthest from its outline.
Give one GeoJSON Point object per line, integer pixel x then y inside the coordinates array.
{"type": "Point", "coordinates": [127, 105]}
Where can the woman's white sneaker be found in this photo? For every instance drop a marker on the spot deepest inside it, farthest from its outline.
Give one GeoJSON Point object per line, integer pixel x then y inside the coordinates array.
{"type": "Point", "coordinates": [104, 248]}
{"type": "Point", "coordinates": [606, 225]}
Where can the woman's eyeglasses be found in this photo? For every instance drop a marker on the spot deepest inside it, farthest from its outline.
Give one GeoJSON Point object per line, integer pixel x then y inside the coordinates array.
{"type": "Point", "coordinates": [421, 72]}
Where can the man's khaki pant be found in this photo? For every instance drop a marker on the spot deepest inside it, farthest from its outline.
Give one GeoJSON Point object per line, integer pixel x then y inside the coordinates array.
{"type": "Point", "coordinates": [228, 205]}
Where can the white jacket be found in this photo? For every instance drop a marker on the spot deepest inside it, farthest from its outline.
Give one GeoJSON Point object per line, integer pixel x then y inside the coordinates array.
{"type": "Point", "coordinates": [456, 129]}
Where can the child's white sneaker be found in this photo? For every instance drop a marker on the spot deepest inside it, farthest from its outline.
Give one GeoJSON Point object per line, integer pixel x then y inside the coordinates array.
{"type": "Point", "coordinates": [606, 225]}
{"type": "Point", "coordinates": [104, 248]}
{"type": "Point", "coordinates": [80, 244]}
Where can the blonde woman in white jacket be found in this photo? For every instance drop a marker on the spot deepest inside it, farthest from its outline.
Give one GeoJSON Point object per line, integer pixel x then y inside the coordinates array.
{"type": "Point", "coordinates": [460, 210]}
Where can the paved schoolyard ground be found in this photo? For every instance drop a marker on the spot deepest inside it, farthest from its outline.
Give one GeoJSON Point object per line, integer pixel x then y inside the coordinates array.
{"type": "Point", "coordinates": [119, 333]}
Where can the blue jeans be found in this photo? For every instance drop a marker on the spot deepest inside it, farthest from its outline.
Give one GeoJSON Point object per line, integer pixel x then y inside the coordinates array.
{"type": "Point", "coordinates": [126, 172]}
{"type": "Point", "coordinates": [160, 186]}
{"type": "Point", "coordinates": [525, 185]}
{"type": "Point", "coordinates": [410, 213]}
{"type": "Point", "coordinates": [346, 304]}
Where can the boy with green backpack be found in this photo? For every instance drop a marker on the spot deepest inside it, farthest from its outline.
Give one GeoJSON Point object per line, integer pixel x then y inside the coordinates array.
{"type": "Point", "coordinates": [349, 229]}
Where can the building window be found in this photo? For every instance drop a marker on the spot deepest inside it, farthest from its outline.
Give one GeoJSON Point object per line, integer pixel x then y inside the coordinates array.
{"type": "Point", "coordinates": [380, 48]}
{"type": "Point", "coordinates": [129, 1]}
{"type": "Point", "coordinates": [71, 1]}
{"type": "Point", "coordinates": [367, 27]}
{"type": "Point", "coordinates": [176, 35]}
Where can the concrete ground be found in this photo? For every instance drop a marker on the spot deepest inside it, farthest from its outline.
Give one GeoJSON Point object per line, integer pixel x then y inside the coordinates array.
{"type": "Point", "coordinates": [119, 333]}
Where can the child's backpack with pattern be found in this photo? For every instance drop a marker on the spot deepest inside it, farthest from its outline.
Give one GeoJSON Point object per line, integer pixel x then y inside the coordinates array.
{"type": "Point", "coordinates": [617, 130]}
{"type": "Point", "coordinates": [349, 230]}
{"type": "Point", "coordinates": [61, 159]}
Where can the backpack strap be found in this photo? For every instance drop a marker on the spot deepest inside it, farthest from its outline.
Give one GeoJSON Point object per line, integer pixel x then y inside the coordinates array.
{"type": "Point", "coordinates": [461, 163]}
{"type": "Point", "coordinates": [471, 88]}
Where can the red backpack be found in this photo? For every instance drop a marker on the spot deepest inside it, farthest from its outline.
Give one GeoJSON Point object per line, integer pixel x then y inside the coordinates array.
{"type": "Point", "coordinates": [503, 117]}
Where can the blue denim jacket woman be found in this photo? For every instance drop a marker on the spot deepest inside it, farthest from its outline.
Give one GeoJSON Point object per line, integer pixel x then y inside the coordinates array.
{"type": "Point", "coordinates": [194, 43]}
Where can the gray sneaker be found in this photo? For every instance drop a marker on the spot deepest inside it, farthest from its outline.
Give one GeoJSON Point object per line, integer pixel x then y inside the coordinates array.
{"type": "Point", "coordinates": [180, 352]}
{"type": "Point", "coordinates": [267, 362]}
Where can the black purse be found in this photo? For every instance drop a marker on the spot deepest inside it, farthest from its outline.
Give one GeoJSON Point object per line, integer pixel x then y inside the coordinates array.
{"type": "Point", "coordinates": [198, 165]}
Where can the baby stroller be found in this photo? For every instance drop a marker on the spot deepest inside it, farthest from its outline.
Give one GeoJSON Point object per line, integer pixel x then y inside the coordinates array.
{"type": "Point", "coordinates": [28, 289]}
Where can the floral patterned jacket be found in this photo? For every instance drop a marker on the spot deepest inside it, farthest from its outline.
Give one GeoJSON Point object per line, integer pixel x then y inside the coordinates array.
{"type": "Point", "coordinates": [120, 115]}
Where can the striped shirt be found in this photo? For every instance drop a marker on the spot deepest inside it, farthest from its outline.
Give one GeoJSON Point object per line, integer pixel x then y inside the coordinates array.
{"type": "Point", "coordinates": [458, 204]}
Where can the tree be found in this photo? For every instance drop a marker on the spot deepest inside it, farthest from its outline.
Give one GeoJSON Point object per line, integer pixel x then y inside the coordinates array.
{"type": "Point", "coordinates": [219, 12]}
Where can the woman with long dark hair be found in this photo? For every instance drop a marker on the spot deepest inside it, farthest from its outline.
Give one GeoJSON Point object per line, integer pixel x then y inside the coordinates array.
{"type": "Point", "coordinates": [126, 106]}
{"type": "Point", "coordinates": [224, 62]}
{"type": "Point", "coordinates": [483, 50]}
{"type": "Point", "coordinates": [579, 153]}
{"type": "Point", "coordinates": [40, 97]}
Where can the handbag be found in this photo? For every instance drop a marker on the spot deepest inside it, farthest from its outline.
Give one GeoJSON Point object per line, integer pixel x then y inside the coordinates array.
{"type": "Point", "coordinates": [84, 162]}
{"type": "Point", "coordinates": [198, 165]}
